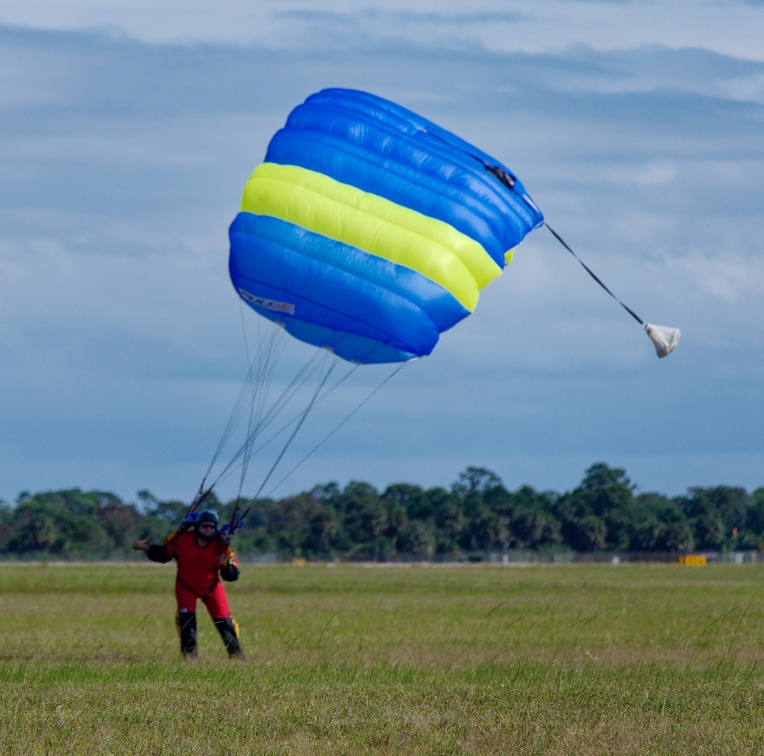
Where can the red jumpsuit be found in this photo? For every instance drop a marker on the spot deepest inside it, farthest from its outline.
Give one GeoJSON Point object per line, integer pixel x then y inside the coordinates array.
{"type": "Point", "coordinates": [199, 572]}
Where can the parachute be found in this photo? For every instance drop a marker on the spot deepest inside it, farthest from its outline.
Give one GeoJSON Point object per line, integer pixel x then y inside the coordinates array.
{"type": "Point", "coordinates": [369, 230]}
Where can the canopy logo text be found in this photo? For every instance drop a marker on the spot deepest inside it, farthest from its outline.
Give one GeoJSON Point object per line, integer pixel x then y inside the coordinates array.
{"type": "Point", "coordinates": [267, 304]}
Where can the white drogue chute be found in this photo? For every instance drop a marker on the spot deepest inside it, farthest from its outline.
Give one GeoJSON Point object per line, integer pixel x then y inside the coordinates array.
{"type": "Point", "coordinates": [664, 338]}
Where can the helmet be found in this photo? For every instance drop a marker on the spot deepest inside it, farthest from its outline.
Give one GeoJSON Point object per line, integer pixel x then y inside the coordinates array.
{"type": "Point", "coordinates": [208, 516]}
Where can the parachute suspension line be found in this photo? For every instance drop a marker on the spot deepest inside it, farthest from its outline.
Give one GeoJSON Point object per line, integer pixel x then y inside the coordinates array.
{"type": "Point", "coordinates": [342, 422]}
{"type": "Point", "coordinates": [258, 375]}
{"type": "Point", "coordinates": [260, 389]}
{"type": "Point", "coordinates": [594, 276]}
{"type": "Point", "coordinates": [244, 333]}
{"type": "Point", "coordinates": [253, 437]}
{"type": "Point", "coordinates": [261, 373]}
{"type": "Point", "coordinates": [199, 497]}
{"type": "Point", "coordinates": [320, 399]}
{"type": "Point", "coordinates": [266, 417]}
{"type": "Point", "coordinates": [251, 424]}
{"type": "Point", "coordinates": [259, 424]}
{"type": "Point", "coordinates": [327, 372]}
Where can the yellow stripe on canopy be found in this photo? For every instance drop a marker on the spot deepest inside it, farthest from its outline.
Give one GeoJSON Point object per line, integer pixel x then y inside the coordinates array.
{"type": "Point", "coordinates": [373, 224]}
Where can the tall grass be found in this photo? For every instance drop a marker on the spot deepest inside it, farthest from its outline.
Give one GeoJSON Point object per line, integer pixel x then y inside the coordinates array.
{"type": "Point", "coordinates": [352, 659]}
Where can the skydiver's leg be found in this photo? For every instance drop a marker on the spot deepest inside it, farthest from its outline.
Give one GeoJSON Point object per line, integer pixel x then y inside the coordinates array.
{"type": "Point", "coordinates": [217, 605]}
{"type": "Point", "coordinates": [186, 624]}
{"type": "Point", "coordinates": [228, 628]}
{"type": "Point", "coordinates": [185, 620]}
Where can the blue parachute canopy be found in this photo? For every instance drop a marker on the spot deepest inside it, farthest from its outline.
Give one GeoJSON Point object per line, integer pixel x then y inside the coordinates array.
{"type": "Point", "coordinates": [369, 230]}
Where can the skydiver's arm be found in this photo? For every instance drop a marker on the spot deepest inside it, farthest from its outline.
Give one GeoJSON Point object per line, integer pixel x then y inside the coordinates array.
{"type": "Point", "coordinates": [155, 553]}
{"type": "Point", "coordinates": [229, 566]}
{"type": "Point", "coordinates": [158, 553]}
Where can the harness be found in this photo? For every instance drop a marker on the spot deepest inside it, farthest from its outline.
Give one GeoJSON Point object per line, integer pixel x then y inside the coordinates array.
{"type": "Point", "coordinates": [207, 593]}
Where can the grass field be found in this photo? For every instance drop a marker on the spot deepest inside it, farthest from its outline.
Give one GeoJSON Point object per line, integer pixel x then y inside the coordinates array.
{"type": "Point", "coordinates": [628, 659]}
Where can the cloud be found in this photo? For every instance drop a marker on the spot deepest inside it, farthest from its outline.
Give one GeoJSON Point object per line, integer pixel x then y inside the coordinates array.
{"type": "Point", "coordinates": [730, 27]}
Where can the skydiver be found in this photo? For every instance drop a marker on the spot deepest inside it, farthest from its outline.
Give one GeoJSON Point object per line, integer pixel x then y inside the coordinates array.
{"type": "Point", "coordinates": [203, 556]}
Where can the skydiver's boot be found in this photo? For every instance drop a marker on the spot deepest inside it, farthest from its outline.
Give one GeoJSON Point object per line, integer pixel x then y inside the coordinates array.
{"type": "Point", "coordinates": [229, 632]}
{"type": "Point", "coordinates": [186, 624]}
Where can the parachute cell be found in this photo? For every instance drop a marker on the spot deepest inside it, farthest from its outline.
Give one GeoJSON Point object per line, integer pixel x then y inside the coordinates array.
{"type": "Point", "coordinates": [369, 230]}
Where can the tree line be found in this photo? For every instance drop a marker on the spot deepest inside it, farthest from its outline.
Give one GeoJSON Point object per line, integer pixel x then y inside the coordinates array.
{"type": "Point", "coordinates": [476, 515]}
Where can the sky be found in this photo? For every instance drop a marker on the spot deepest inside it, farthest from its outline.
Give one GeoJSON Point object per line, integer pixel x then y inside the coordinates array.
{"type": "Point", "coordinates": [128, 130]}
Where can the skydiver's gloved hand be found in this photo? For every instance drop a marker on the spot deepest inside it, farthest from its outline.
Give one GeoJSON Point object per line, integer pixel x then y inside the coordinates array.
{"type": "Point", "coordinates": [188, 521]}
{"type": "Point", "coordinates": [230, 572]}
{"type": "Point", "coordinates": [226, 530]}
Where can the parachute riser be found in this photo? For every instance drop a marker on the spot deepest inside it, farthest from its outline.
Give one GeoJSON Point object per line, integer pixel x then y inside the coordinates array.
{"type": "Point", "coordinates": [228, 531]}
{"type": "Point", "coordinates": [198, 500]}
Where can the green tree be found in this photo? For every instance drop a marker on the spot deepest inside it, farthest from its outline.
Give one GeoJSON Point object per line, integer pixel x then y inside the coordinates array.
{"type": "Point", "coordinates": [170, 512]}
{"type": "Point", "coordinates": [123, 524]}
{"type": "Point", "coordinates": [475, 480]}
{"type": "Point", "coordinates": [661, 526]}
{"type": "Point", "coordinates": [412, 499]}
{"type": "Point", "coordinates": [255, 536]}
{"type": "Point", "coordinates": [533, 529]}
{"type": "Point", "coordinates": [321, 538]}
{"type": "Point", "coordinates": [484, 527]}
{"type": "Point", "coordinates": [6, 518]}
{"type": "Point", "coordinates": [364, 519]}
{"type": "Point", "coordinates": [701, 507]}
{"type": "Point", "coordinates": [61, 523]}
{"type": "Point", "coordinates": [754, 521]}
{"type": "Point", "coordinates": [417, 539]}
{"type": "Point", "coordinates": [291, 523]}
{"type": "Point", "coordinates": [599, 513]}
{"type": "Point", "coordinates": [447, 520]}
{"type": "Point", "coordinates": [531, 523]}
